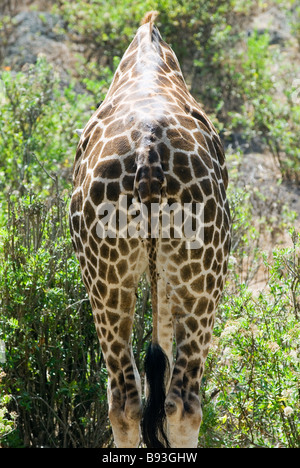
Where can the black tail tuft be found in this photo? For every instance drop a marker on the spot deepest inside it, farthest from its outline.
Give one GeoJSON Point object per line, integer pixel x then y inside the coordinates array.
{"type": "Point", "coordinates": [156, 366]}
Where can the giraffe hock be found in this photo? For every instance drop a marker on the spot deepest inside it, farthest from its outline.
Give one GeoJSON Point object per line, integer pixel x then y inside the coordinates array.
{"type": "Point", "coordinates": [154, 418]}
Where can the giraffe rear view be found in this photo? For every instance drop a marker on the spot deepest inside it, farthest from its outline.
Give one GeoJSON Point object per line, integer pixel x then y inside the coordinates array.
{"type": "Point", "coordinates": [148, 151]}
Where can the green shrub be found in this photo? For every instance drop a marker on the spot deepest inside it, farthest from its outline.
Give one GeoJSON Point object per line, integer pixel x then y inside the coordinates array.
{"type": "Point", "coordinates": [269, 111]}
{"type": "Point", "coordinates": [54, 368]}
{"type": "Point", "coordinates": [251, 394]}
{"type": "Point", "coordinates": [230, 73]}
{"type": "Point", "coordinates": [199, 32]}
{"type": "Point", "coordinates": [37, 127]}
{"type": "Point", "coordinates": [7, 420]}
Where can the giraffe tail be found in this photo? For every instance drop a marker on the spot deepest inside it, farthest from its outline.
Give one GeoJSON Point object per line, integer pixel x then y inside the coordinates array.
{"type": "Point", "coordinates": [153, 424]}
{"type": "Point", "coordinates": [156, 370]}
{"type": "Point", "coordinates": [150, 17]}
{"type": "Point", "coordinates": [150, 190]}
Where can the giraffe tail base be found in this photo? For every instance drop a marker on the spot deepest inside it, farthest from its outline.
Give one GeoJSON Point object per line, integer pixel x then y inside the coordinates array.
{"type": "Point", "coordinates": [150, 17]}
{"type": "Point", "coordinates": [156, 367]}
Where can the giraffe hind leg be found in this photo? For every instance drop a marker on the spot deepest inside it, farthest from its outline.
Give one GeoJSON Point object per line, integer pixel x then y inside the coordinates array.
{"type": "Point", "coordinates": [182, 405]}
{"type": "Point", "coordinates": [114, 329]}
{"type": "Point", "coordinates": [124, 400]}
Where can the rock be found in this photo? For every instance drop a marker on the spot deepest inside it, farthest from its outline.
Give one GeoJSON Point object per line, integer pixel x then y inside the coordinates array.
{"type": "Point", "coordinates": [35, 33]}
{"type": "Point", "coordinates": [274, 22]}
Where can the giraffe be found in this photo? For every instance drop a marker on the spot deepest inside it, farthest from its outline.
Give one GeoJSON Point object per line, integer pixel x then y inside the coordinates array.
{"type": "Point", "coordinates": [151, 143]}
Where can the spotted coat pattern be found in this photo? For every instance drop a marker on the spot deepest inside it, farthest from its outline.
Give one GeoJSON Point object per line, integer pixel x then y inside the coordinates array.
{"type": "Point", "coordinates": [150, 139]}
